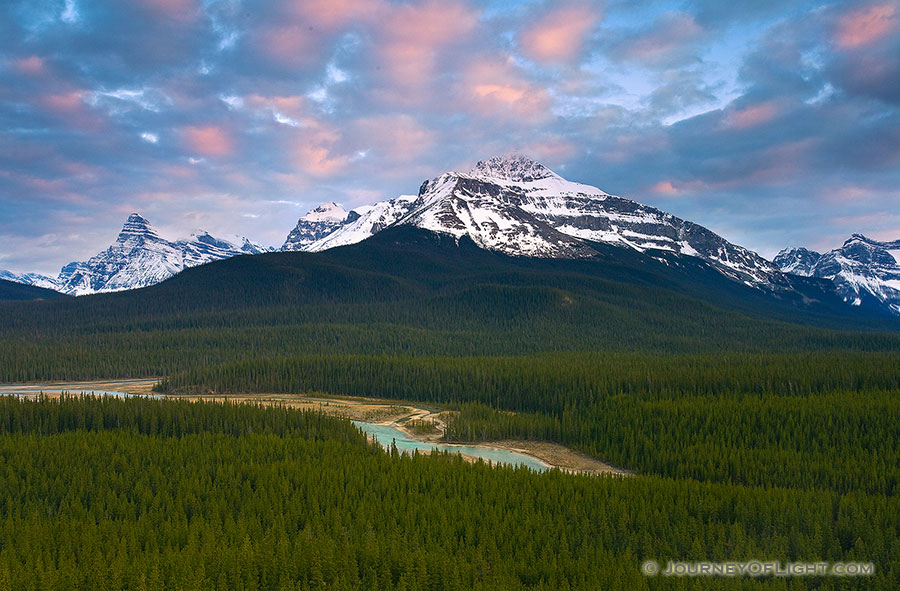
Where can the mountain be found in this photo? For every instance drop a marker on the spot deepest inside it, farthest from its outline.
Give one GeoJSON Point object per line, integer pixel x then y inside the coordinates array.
{"type": "Point", "coordinates": [35, 279]}
{"type": "Point", "coordinates": [797, 261]}
{"type": "Point", "coordinates": [140, 257]}
{"type": "Point", "coordinates": [515, 205]}
{"type": "Point", "coordinates": [865, 272]}
{"type": "Point", "coordinates": [316, 224]}
{"type": "Point", "coordinates": [368, 221]}
{"type": "Point", "coordinates": [14, 290]}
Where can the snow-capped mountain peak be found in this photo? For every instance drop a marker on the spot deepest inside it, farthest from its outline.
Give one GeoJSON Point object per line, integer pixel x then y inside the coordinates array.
{"type": "Point", "coordinates": [317, 224]}
{"type": "Point", "coordinates": [514, 167]}
{"type": "Point", "coordinates": [365, 221]}
{"type": "Point", "coordinates": [797, 261]}
{"type": "Point", "coordinates": [136, 227]}
{"type": "Point", "coordinates": [327, 212]}
{"type": "Point", "coordinates": [864, 271]}
{"type": "Point", "coordinates": [140, 257]}
{"type": "Point", "coordinates": [518, 206]}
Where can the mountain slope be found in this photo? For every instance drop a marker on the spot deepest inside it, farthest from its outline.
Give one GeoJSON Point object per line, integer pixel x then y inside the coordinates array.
{"type": "Point", "coordinates": [13, 290]}
{"type": "Point", "coordinates": [517, 206]}
{"type": "Point", "coordinates": [364, 222]}
{"type": "Point", "coordinates": [409, 291]}
{"type": "Point", "coordinates": [865, 272]}
{"type": "Point", "coordinates": [139, 257]}
{"type": "Point", "coordinates": [35, 279]}
{"type": "Point", "coordinates": [317, 224]}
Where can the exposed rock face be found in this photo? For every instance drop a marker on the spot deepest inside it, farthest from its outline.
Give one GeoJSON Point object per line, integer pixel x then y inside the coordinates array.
{"type": "Point", "coordinates": [520, 207]}
{"type": "Point", "coordinates": [798, 261]}
{"type": "Point", "coordinates": [365, 221]}
{"type": "Point", "coordinates": [865, 272]}
{"type": "Point", "coordinates": [35, 279]}
{"type": "Point", "coordinates": [139, 257]}
{"type": "Point", "coordinates": [317, 224]}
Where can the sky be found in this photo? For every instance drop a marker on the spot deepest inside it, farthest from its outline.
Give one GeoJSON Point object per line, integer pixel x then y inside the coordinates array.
{"type": "Point", "coordinates": [774, 122]}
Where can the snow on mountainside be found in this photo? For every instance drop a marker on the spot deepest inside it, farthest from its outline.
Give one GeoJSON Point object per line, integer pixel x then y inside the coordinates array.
{"type": "Point", "coordinates": [798, 261]}
{"type": "Point", "coordinates": [317, 224]}
{"type": "Point", "coordinates": [365, 221]}
{"type": "Point", "coordinates": [139, 257]}
{"type": "Point", "coordinates": [34, 279]}
{"type": "Point", "coordinates": [520, 207]}
{"type": "Point", "coordinates": [864, 271]}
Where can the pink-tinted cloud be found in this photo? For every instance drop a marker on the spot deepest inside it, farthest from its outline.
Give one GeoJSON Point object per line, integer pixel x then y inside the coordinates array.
{"type": "Point", "coordinates": [69, 108]}
{"type": "Point", "coordinates": [331, 15]}
{"type": "Point", "coordinates": [559, 35]}
{"type": "Point", "coordinates": [497, 89]}
{"type": "Point", "coordinates": [753, 115]}
{"type": "Point", "coordinates": [429, 24]}
{"type": "Point", "coordinates": [208, 140]}
{"type": "Point", "coordinates": [550, 149]}
{"type": "Point", "coordinates": [411, 39]}
{"type": "Point", "coordinates": [178, 171]}
{"type": "Point", "coordinates": [290, 108]}
{"type": "Point", "coordinates": [665, 188]}
{"type": "Point", "coordinates": [179, 10]}
{"type": "Point", "coordinates": [315, 152]}
{"type": "Point", "coordinates": [865, 26]}
{"type": "Point", "coordinates": [51, 189]}
{"type": "Point", "coordinates": [398, 138]}
{"type": "Point", "coordinates": [64, 103]}
{"type": "Point", "coordinates": [318, 160]}
{"type": "Point", "coordinates": [30, 66]}
{"type": "Point", "coordinates": [290, 44]}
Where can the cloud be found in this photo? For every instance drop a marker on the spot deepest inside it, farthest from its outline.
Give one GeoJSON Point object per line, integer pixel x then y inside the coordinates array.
{"type": "Point", "coordinates": [396, 138]}
{"type": "Point", "coordinates": [664, 188]}
{"type": "Point", "coordinates": [30, 66]}
{"type": "Point", "coordinates": [208, 140]}
{"type": "Point", "coordinates": [409, 42]}
{"type": "Point", "coordinates": [668, 41]}
{"type": "Point", "coordinates": [753, 115]}
{"type": "Point", "coordinates": [559, 35]}
{"type": "Point", "coordinates": [866, 25]}
{"type": "Point", "coordinates": [315, 151]}
{"type": "Point", "coordinates": [331, 15]}
{"type": "Point", "coordinates": [743, 116]}
{"type": "Point", "coordinates": [179, 10]}
{"type": "Point", "coordinates": [290, 45]}
{"type": "Point", "coordinates": [496, 87]}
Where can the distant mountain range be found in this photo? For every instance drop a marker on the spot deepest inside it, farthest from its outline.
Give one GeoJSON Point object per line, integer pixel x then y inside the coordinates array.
{"type": "Point", "coordinates": [865, 271]}
{"type": "Point", "coordinates": [509, 204]}
{"type": "Point", "coordinates": [138, 258]}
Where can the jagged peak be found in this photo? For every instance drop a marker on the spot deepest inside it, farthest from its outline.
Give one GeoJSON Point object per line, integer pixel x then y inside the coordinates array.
{"type": "Point", "coordinates": [512, 167]}
{"type": "Point", "coordinates": [326, 212]}
{"type": "Point", "coordinates": [857, 237]}
{"type": "Point", "coordinates": [136, 225]}
{"type": "Point", "coordinates": [797, 250]}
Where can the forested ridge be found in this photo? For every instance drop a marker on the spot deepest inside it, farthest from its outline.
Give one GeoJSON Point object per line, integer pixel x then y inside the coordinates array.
{"type": "Point", "coordinates": [759, 424]}
{"type": "Point", "coordinates": [809, 420]}
{"type": "Point", "coordinates": [94, 497]}
{"type": "Point", "coordinates": [405, 296]}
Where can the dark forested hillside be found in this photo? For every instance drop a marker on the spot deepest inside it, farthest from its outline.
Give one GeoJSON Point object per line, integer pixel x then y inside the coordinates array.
{"type": "Point", "coordinates": [147, 494]}
{"type": "Point", "coordinates": [12, 291]}
{"type": "Point", "coordinates": [410, 292]}
{"type": "Point", "coordinates": [760, 424]}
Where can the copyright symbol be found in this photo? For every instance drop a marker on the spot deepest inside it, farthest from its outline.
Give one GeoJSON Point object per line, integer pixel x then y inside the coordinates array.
{"type": "Point", "coordinates": [650, 568]}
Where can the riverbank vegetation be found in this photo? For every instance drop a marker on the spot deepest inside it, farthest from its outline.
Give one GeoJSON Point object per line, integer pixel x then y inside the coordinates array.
{"type": "Point", "coordinates": [811, 420]}
{"type": "Point", "coordinates": [161, 494]}
{"type": "Point", "coordinates": [760, 424]}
